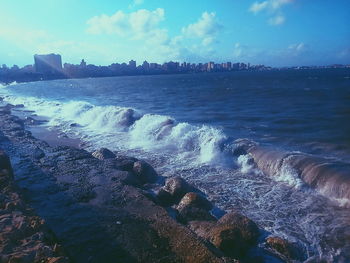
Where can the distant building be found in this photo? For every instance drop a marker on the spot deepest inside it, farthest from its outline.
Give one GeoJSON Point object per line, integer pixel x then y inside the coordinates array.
{"type": "Point", "coordinates": [83, 63]}
{"type": "Point", "coordinates": [132, 64]}
{"type": "Point", "coordinates": [48, 64]}
{"type": "Point", "coordinates": [210, 66]}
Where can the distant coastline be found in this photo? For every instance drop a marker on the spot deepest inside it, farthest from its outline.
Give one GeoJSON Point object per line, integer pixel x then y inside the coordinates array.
{"type": "Point", "coordinates": [49, 67]}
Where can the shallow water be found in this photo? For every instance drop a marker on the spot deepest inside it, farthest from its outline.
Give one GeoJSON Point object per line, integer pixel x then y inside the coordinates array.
{"type": "Point", "coordinates": [189, 125]}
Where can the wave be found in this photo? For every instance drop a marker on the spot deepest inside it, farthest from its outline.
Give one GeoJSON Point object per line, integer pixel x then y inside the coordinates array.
{"type": "Point", "coordinates": [331, 178]}
{"type": "Point", "coordinates": [195, 144]}
{"type": "Point", "coordinates": [146, 131]}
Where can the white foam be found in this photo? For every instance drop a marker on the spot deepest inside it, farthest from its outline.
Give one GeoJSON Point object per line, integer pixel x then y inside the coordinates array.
{"type": "Point", "coordinates": [247, 165]}
{"type": "Point", "coordinates": [149, 132]}
{"type": "Point", "coordinates": [290, 176]}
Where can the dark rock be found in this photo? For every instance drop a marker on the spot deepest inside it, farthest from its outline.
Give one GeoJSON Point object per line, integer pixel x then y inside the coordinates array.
{"type": "Point", "coordinates": [191, 213]}
{"type": "Point", "coordinates": [234, 234]}
{"type": "Point", "coordinates": [248, 229]}
{"type": "Point", "coordinates": [5, 164]}
{"type": "Point", "coordinates": [228, 239]}
{"type": "Point", "coordinates": [126, 177]}
{"type": "Point", "coordinates": [201, 228]}
{"type": "Point", "coordinates": [125, 164]}
{"type": "Point", "coordinates": [144, 172]}
{"type": "Point", "coordinates": [177, 187]}
{"type": "Point", "coordinates": [32, 121]}
{"type": "Point", "coordinates": [164, 197]}
{"type": "Point", "coordinates": [195, 200]}
{"type": "Point", "coordinates": [284, 247]}
{"type": "Point", "coordinates": [103, 154]}
{"type": "Point", "coordinates": [38, 153]}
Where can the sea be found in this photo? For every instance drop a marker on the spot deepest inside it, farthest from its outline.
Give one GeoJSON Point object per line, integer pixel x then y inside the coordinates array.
{"type": "Point", "coordinates": [194, 125]}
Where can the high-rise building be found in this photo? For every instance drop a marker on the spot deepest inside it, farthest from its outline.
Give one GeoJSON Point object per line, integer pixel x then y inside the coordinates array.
{"type": "Point", "coordinates": [132, 64]}
{"type": "Point", "coordinates": [48, 64]}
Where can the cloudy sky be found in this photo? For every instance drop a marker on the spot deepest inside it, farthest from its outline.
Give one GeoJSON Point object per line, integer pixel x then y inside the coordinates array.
{"type": "Point", "coordinates": [270, 32]}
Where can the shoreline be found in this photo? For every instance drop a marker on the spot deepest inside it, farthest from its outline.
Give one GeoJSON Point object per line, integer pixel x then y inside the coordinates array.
{"type": "Point", "coordinates": [97, 191]}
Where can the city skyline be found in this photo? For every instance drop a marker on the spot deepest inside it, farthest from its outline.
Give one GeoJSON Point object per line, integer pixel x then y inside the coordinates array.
{"type": "Point", "coordinates": [272, 32]}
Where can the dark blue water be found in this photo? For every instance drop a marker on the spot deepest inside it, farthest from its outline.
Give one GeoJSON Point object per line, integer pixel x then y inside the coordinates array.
{"type": "Point", "coordinates": [185, 125]}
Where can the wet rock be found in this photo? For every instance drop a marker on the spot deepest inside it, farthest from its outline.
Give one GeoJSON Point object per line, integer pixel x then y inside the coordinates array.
{"type": "Point", "coordinates": [32, 121]}
{"type": "Point", "coordinates": [234, 234]}
{"type": "Point", "coordinates": [144, 172]}
{"type": "Point", "coordinates": [38, 153]}
{"type": "Point", "coordinates": [177, 187]}
{"type": "Point", "coordinates": [190, 213]}
{"type": "Point", "coordinates": [164, 197]}
{"type": "Point", "coordinates": [201, 228]}
{"type": "Point", "coordinates": [228, 239]}
{"type": "Point", "coordinates": [126, 177]}
{"type": "Point", "coordinates": [194, 200]}
{"type": "Point", "coordinates": [5, 164]}
{"type": "Point", "coordinates": [247, 227]}
{"type": "Point", "coordinates": [125, 163]}
{"type": "Point", "coordinates": [57, 260]}
{"type": "Point", "coordinates": [284, 247]}
{"type": "Point", "coordinates": [103, 154]}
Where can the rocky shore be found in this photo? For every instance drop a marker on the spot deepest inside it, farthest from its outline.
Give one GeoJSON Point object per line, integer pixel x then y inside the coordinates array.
{"type": "Point", "coordinates": [63, 204]}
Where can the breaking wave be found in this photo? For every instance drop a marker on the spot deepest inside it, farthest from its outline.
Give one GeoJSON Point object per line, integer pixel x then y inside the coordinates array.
{"type": "Point", "coordinates": [195, 144]}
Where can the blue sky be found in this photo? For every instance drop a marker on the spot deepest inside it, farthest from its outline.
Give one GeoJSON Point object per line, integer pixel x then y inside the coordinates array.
{"type": "Point", "coordinates": [270, 32]}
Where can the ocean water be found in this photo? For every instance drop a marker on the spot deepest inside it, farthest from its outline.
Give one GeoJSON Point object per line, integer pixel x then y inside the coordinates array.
{"type": "Point", "coordinates": [195, 126]}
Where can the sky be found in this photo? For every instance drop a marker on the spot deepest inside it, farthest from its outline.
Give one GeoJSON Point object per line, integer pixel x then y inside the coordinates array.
{"type": "Point", "coordinates": [270, 32]}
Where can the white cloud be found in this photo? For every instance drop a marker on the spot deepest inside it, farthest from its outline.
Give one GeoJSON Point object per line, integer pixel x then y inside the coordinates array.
{"type": "Point", "coordinates": [136, 3]}
{"type": "Point", "coordinates": [272, 8]}
{"type": "Point", "coordinates": [277, 20]}
{"type": "Point", "coordinates": [205, 28]}
{"type": "Point", "coordinates": [256, 7]}
{"type": "Point", "coordinates": [296, 48]}
{"type": "Point", "coordinates": [138, 24]}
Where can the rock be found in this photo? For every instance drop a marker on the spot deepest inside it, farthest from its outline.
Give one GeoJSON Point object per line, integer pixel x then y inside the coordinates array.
{"type": "Point", "coordinates": [32, 121]}
{"type": "Point", "coordinates": [190, 213]}
{"type": "Point", "coordinates": [125, 164]}
{"type": "Point", "coordinates": [57, 260]}
{"type": "Point", "coordinates": [284, 247]}
{"type": "Point", "coordinates": [201, 228]}
{"type": "Point", "coordinates": [228, 239]}
{"type": "Point", "coordinates": [195, 200]}
{"type": "Point", "coordinates": [234, 234]}
{"type": "Point", "coordinates": [126, 178]}
{"type": "Point", "coordinates": [144, 172]}
{"type": "Point", "coordinates": [103, 154]}
{"type": "Point", "coordinates": [164, 197]}
{"type": "Point", "coordinates": [38, 154]}
{"type": "Point", "coordinates": [248, 229]}
{"type": "Point", "coordinates": [177, 187]}
{"type": "Point", "coordinates": [5, 164]}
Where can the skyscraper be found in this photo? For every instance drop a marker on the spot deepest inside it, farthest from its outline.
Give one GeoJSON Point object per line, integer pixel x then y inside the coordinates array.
{"type": "Point", "coordinates": [48, 64]}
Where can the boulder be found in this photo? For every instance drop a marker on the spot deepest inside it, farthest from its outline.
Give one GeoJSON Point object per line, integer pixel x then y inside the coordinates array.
{"type": "Point", "coordinates": [144, 172]}
{"type": "Point", "coordinates": [248, 229]}
{"type": "Point", "coordinates": [125, 164]}
{"type": "Point", "coordinates": [38, 153]}
{"type": "Point", "coordinates": [125, 177]}
{"type": "Point", "coordinates": [191, 213]}
{"type": "Point", "coordinates": [228, 239]}
{"type": "Point", "coordinates": [201, 228]}
{"type": "Point", "coordinates": [234, 234]}
{"type": "Point", "coordinates": [5, 164]}
{"type": "Point", "coordinates": [103, 154]}
{"type": "Point", "coordinates": [194, 200]}
{"type": "Point", "coordinates": [284, 247]}
{"type": "Point", "coordinates": [164, 197]}
{"type": "Point", "coordinates": [177, 187]}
